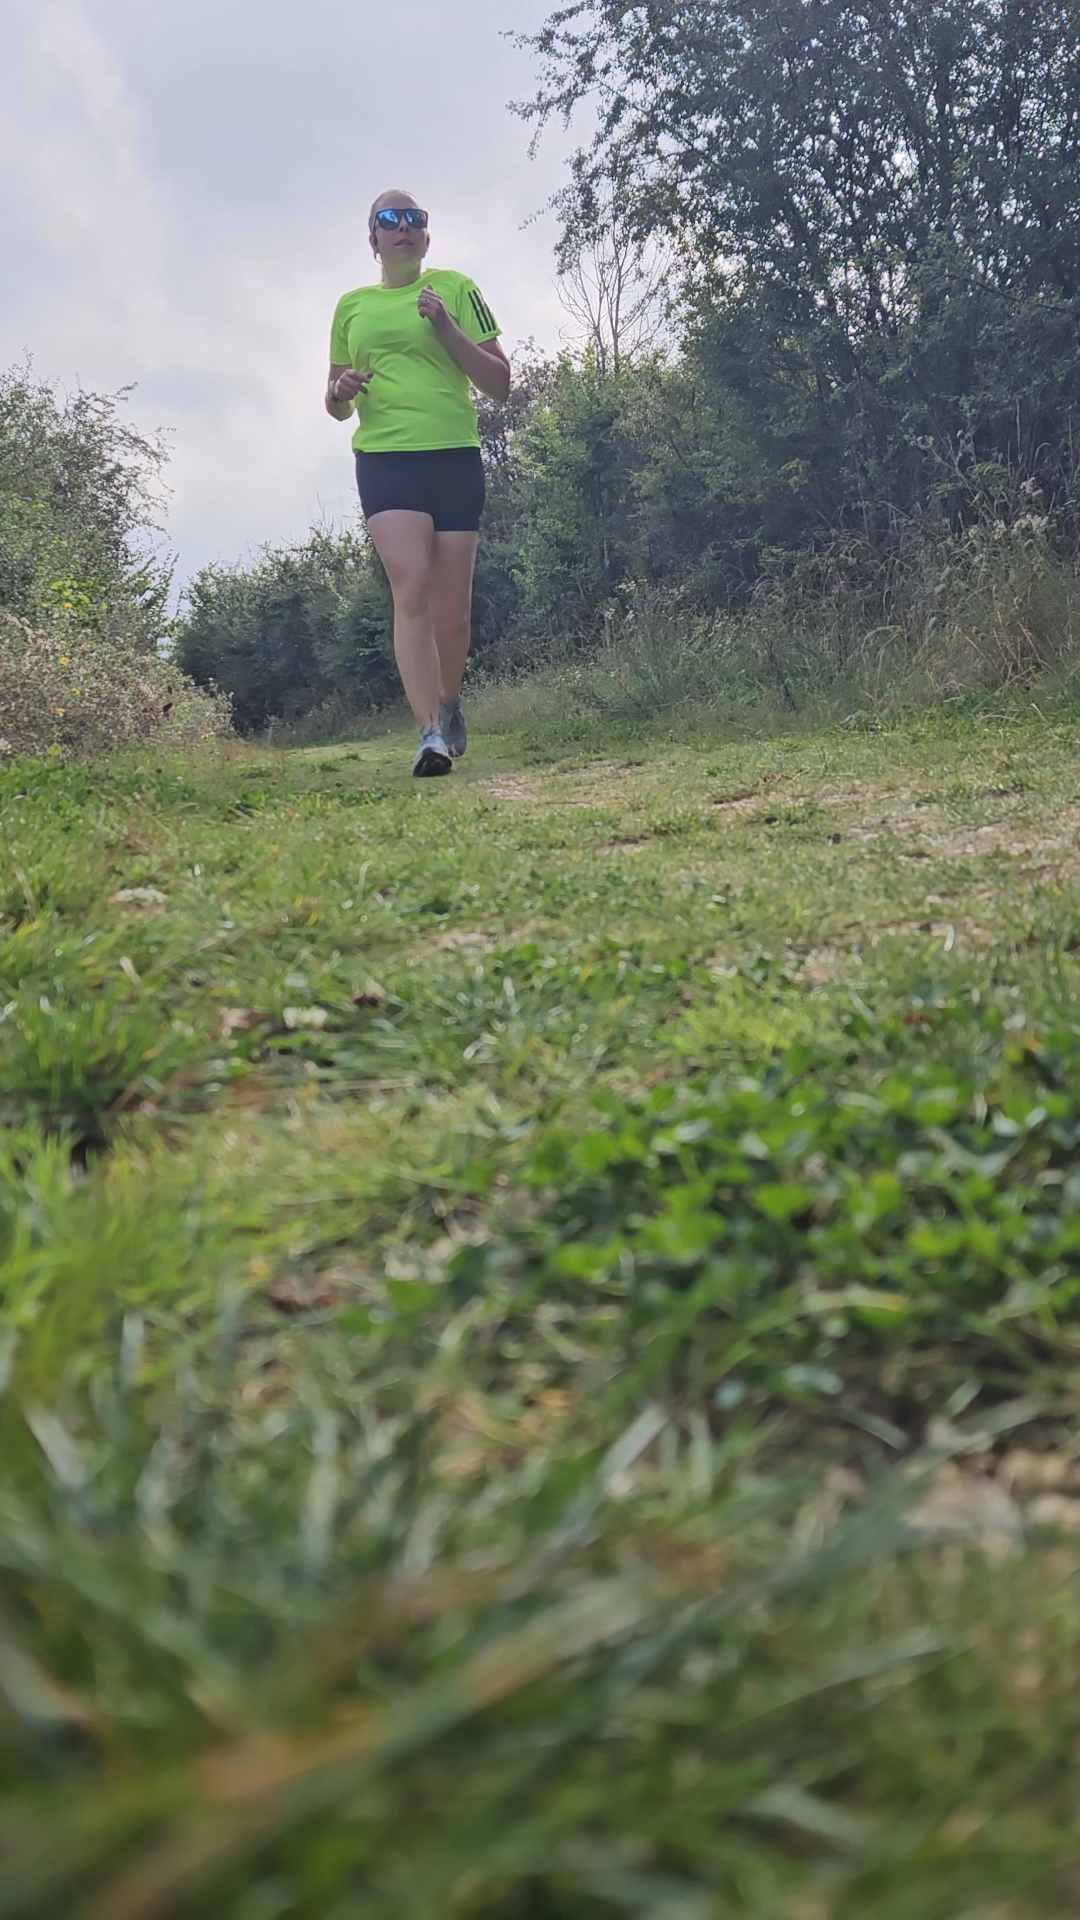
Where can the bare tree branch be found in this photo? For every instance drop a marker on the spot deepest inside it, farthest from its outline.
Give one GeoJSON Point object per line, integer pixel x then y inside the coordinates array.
{"type": "Point", "coordinates": [614, 290]}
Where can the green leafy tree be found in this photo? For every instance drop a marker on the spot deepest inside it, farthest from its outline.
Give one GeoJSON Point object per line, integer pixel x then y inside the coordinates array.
{"type": "Point", "coordinates": [499, 596]}
{"type": "Point", "coordinates": [873, 212]}
{"type": "Point", "coordinates": [577, 461]}
{"type": "Point", "coordinates": [80, 493]}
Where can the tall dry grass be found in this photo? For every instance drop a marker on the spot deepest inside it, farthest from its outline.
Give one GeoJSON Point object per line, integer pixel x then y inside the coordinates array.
{"type": "Point", "coordinates": [935, 615]}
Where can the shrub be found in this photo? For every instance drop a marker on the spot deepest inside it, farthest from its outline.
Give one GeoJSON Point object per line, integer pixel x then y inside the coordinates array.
{"type": "Point", "coordinates": [78, 695]}
{"type": "Point", "coordinates": [308, 624]}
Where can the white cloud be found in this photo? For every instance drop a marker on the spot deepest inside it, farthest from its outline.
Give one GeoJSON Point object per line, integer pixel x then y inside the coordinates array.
{"type": "Point", "coordinates": [219, 310]}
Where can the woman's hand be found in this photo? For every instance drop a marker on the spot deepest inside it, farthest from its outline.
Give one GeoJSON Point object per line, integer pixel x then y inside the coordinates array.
{"type": "Point", "coordinates": [430, 307]}
{"type": "Point", "coordinates": [483, 362]}
{"type": "Point", "coordinates": [350, 384]}
{"type": "Point", "coordinates": [345, 386]}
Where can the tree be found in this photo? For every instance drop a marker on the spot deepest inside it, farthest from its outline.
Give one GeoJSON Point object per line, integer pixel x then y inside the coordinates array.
{"type": "Point", "coordinates": [612, 286]}
{"type": "Point", "coordinates": [872, 201]}
{"type": "Point", "coordinates": [80, 492]}
{"type": "Point", "coordinates": [820, 146]}
{"type": "Point", "coordinates": [498, 600]}
{"type": "Point", "coordinates": [578, 457]}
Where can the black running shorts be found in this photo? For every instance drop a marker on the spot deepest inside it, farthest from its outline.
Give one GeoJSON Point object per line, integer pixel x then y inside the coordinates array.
{"type": "Point", "coordinates": [447, 484]}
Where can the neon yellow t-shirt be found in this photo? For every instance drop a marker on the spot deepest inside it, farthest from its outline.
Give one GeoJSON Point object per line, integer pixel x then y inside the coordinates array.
{"type": "Point", "coordinates": [419, 400]}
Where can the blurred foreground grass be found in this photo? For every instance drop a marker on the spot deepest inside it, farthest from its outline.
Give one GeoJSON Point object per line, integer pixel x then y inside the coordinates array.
{"type": "Point", "coordinates": [541, 1335]}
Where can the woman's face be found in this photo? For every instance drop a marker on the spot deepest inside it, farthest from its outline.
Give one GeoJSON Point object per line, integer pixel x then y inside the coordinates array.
{"type": "Point", "coordinates": [408, 244]}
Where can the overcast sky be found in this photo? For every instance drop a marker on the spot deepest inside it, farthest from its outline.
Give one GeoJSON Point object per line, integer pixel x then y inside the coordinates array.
{"type": "Point", "coordinates": [183, 193]}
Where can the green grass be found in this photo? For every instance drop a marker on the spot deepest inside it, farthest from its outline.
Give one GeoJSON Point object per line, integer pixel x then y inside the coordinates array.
{"type": "Point", "coordinates": [541, 1330]}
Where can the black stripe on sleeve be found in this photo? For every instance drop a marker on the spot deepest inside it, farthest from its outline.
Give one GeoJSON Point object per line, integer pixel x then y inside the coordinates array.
{"type": "Point", "coordinates": [485, 317]}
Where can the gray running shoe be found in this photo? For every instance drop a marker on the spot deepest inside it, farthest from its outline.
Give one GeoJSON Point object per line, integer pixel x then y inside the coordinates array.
{"type": "Point", "coordinates": [452, 726]}
{"type": "Point", "coordinates": [432, 756]}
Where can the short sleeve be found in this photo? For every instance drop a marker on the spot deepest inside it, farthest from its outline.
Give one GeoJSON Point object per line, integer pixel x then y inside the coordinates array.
{"type": "Point", "coordinates": [339, 339]}
{"type": "Point", "coordinates": [475, 316]}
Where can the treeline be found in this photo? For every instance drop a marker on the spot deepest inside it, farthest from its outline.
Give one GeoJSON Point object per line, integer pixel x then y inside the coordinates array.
{"type": "Point", "coordinates": [864, 394]}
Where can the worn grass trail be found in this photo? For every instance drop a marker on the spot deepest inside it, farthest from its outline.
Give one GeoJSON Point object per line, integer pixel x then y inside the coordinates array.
{"type": "Point", "coordinates": [540, 1330]}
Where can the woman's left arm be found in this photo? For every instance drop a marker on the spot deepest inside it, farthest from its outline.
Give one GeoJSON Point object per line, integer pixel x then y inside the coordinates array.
{"type": "Point", "coordinates": [484, 361]}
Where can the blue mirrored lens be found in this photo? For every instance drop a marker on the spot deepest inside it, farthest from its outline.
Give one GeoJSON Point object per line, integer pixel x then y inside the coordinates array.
{"type": "Point", "coordinates": [390, 218]}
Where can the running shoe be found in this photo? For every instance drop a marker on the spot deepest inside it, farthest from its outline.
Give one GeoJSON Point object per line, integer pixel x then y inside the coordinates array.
{"type": "Point", "coordinates": [452, 727]}
{"type": "Point", "coordinates": [432, 757]}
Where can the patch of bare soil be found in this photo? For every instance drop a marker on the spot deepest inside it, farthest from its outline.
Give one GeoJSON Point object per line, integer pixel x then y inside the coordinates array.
{"type": "Point", "coordinates": [512, 786]}
{"type": "Point", "coordinates": [736, 805]}
{"type": "Point", "coordinates": [471, 939]}
{"type": "Point", "coordinates": [823, 965]}
{"type": "Point", "coordinates": [477, 940]}
{"type": "Point", "coordinates": [589, 786]}
{"type": "Point", "coordinates": [931, 833]}
{"type": "Point", "coordinates": [464, 940]}
{"type": "Point", "coordinates": [1016, 838]}
{"type": "Point", "coordinates": [829, 962]}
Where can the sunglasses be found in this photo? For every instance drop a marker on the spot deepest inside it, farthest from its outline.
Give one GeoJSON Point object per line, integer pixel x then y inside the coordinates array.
{"type": "Point", "coordinates": [390, 218]}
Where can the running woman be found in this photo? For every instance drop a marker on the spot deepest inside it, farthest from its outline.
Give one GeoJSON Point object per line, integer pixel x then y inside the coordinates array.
{"type": "Point", "coordinates": [404, 355]}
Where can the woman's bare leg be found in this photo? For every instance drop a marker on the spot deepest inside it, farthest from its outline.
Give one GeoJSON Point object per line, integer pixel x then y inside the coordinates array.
{"type": "Point", "coordinates": [405, 543]}
{"type": "Point", "coordinates": [451, 605]}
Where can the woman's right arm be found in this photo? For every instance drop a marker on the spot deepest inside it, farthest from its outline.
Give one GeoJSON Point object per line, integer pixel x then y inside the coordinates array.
{"type": "Point", "coordinates": [343, 388]}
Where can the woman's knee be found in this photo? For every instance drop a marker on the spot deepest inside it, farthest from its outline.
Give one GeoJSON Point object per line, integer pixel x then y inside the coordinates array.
{"type": "Point", "coordinates": [412, 594]}
{"type": "Point", "coordinates": [452, 622]}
